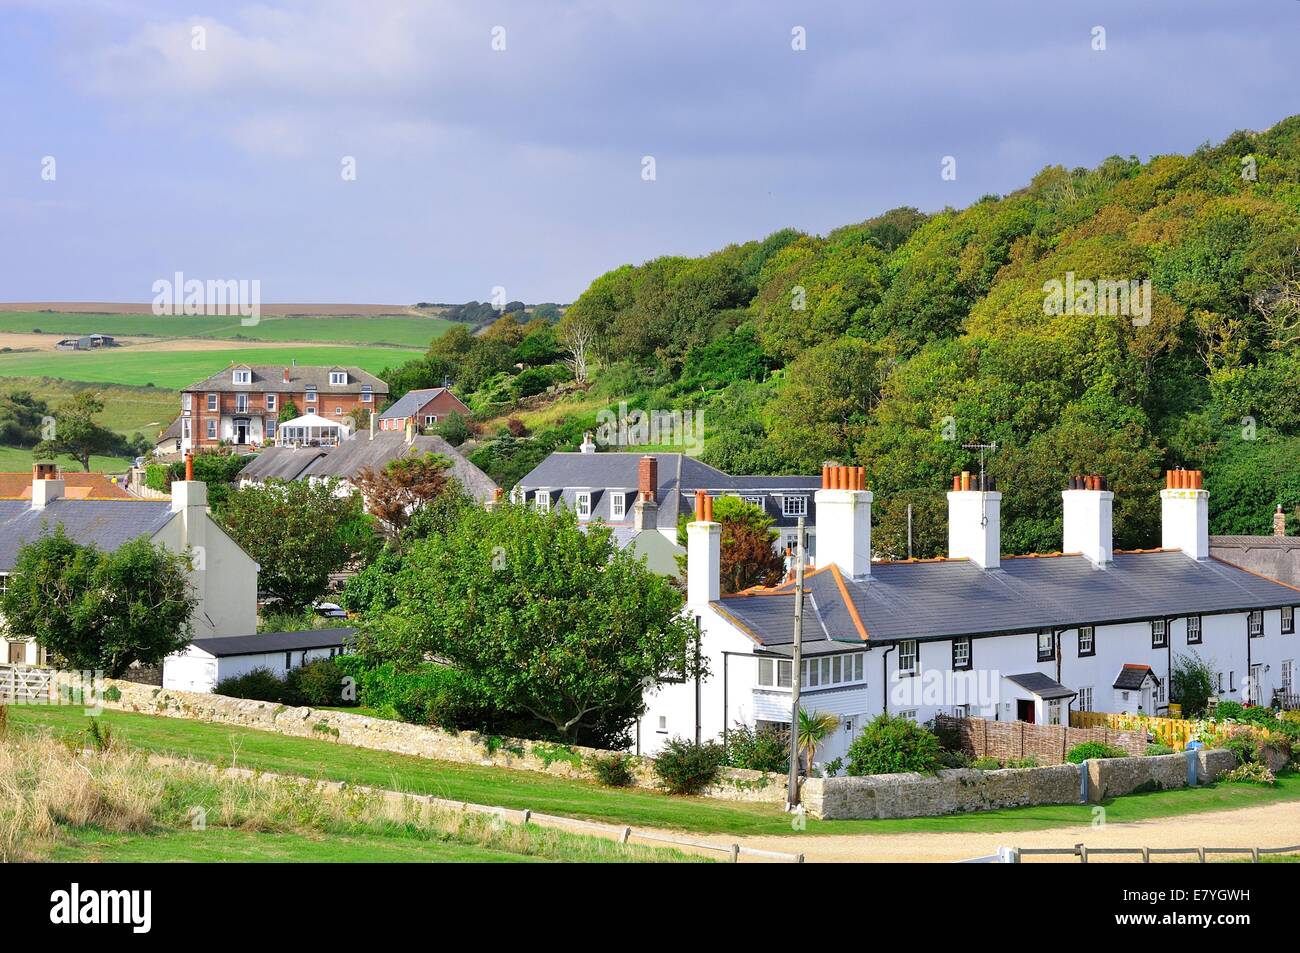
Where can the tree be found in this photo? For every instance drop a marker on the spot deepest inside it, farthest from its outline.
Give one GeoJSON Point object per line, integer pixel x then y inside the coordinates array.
{"type": "Point", "coordinates": [1191, 683]}
{"type": "Point", "coordinates": [289, 410]}
{"type": "Point", "coordinates": [541, 619]}
{"type": "Point", "coordinates": [299, 533]}
{"type": "Point", "coordinates": [453, 428]}
{"type": "Point", "coordinates": [397, 492]}
{"type": "Point", "coordinates": [813, 730]}
{"type": "Point", "coordinates": [21, 419]}
{"type": "Point", "coordinates": [100, 610]}
{"type": "Point", "coordinates": [578, 337]}
{"type": "Point", "coordinates": [76, 434]}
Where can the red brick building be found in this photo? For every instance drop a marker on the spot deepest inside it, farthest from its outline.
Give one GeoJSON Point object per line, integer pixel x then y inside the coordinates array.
{"type": "Point", "coordinates": [426, 407]}
{"type": "Point", "coordinates": [241, 404]}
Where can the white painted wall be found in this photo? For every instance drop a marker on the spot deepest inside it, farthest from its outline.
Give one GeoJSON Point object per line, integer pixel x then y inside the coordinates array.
{"type": "Point", "coordinates": [195, 670]}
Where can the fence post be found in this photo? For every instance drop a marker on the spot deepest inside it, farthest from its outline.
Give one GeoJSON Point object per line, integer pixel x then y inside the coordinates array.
{"type": "Point", "coordinates": [1008, 855]}
{"type": "Point", "coordinates": [1254, 855]}
{"type": "Point", "coordinates": [1146, 855]}
{"type": "Point", "coordinates": [1083, 853]}
{"type": "Point", "coordinates": [1191, 769]}
{"type": "Point", "coordinates": [735, 853]}
{"type": "Point", "coordinates": [1083, 782]}
{"type": "Point", "coordinates": [1200, 855]}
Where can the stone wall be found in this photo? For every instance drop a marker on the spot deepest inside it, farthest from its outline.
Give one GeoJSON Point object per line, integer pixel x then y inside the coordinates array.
{"type": "Point", "coordinates": [963, 790]}
{"type": "Point", "coordinates": [467, 747]}
{"type": "Point", "coordinates": [1050, 744]}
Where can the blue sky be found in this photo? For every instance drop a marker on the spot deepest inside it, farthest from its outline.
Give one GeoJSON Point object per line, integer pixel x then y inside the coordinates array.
{"type": "Point", "coordinates": [522, 167]}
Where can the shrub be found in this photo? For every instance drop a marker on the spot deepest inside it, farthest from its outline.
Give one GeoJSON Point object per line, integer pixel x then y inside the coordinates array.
{"type": "Point", "coordinates": [954, 759]}
{"type": "Point", "coordinates": [890, 745]}
{"type": "Point", "coordinates": [1155, 749]}
{"type": "Point", "coordinates": [985, 763]}
{"type": "Point", "coordinates": [1253, 773]}
{"type": "Point", "coordinates": [759, 749]}
{"type": "Point", "coordinates": [316, 683]}
{"type": "Point", "coordinates": [427, 694]}
{"type": "Point", "coordinates": [1229, 711]}
{"type": "Point", "coordinates": [1191, 684]}
{"type": "Point", "coordinates": [612, 770]}
{"type": "Point", "coordinates": [1244, 745]}
{"type": "Point", "coordinates": [1258, 715]}
{"type": "Point", "coordinates": [684, 767]}
{"type": "Point", "coordinates": [112, 693]}
{"type": "Point", "coordinates": [1027, 762]}
{"type": "Point", "coordinates": [1094, 749]}
{"type": "Point", "coordinates": [259, 684]}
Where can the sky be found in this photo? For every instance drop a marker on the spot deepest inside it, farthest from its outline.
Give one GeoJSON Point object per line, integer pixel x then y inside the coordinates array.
{"type": "Point", "coordinates": [511, 144]}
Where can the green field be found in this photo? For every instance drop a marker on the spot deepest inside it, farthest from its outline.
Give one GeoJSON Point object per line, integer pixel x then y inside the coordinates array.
{"type": "Point", "coordinates": [17, 460]}
{"type": "Point", "coordinates": [173, 370]}
{"type": "Point", "coordinates": [406, 331]}
{"type": "Point", "coordinates": [127, 410]}
{"type": "Point", "coordinates": [543, 793]}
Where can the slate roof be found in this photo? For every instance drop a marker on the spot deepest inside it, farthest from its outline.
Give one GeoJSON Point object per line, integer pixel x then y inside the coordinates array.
{"type": "Point", "coordinates": [930, 600]}
{"type": "Point", "coordinates": [679, 477]}
{"type": "Point", "coordinates": [1277, 557]}
{"type": "Point", "coordinates": [359, 451]}
{"type": "Point", "coordinates": [410, 403]}
{"type": "Point", "coordinates": [659, 552]}
{"type": "Point", "coordinates": [106, 523]}
{"type": "Point", "coordinates": [1131, 677]}
{"type": "Point", "coordinates": [263, 642]}
{"type": "Point", "coordinates": [270, 377]}
{"type": "Point", "coordinates": [1044, 686]}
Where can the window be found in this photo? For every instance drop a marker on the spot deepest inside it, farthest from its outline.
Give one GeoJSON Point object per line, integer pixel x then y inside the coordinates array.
{"type": "Point", "coordinates": [288, 660]}
{"type": "Point", "coordinates": [212, 402]}
{"type": "Point", "coordinates": [961, 653]}
{"type": "Point", "coordinates": [1054, 711]}
{"type": "Point", "coordinates": [784, 671]}
{"type": "Point", "coordinates": [270, 402]}
{"type": "Point", "coordinates": [1288, 665]}
{"type": "Point", "coordinates": [1159, 634]}
{"type": "Point", "coordinates": [430, 419]}
{"type": "Point", "coordinates": [907, 657]}
{"type": "Point", "coordinates": [831, 670]}
{"type": "Point", "coordinates": [1046, 645]}
{"type": "Point", "coordinates": [1085, 698]}
{"type": "Point", "coordinates": [4, 583]}
{"type": "Point", "coordinates": [582, 505]}
{"type": "Point", "coordinates": [185, 428]}
{"type": "Point", "coordinates": [1255, 623]}
{"type": "Point", "coordinates": [367, 393]}
{"type": "Point", "coordinates": [1087, 641]}
{"type": "Point", "coordinates": [910, 714]}
{"type": "Point", "coordinates": [766, 671]}
{"type": "Point", "coordinates": [543, 500]}
{"type": "Point", "coordinates": [1288, 620]}
{"type": "Point", "coordinates": [1218, 685]}
{"type": "Point", "coordinates": [1232, 681]}
{"type": "Point", "coordinates": [663, 725]}
{"type": "Point", "coordinates": [617, 506]}
{"type": "Point", "coordinates": [187, 402]}
{"type": "Point", "coordinates": [338, 411]}
{"type": "Point", "coordinates": [241, 403]}
{"type": "Point", "coordinates": [270, 428]}
{"type": "Point", "coordinates": [338, 378]}
{"type": "Point", "coordinates": [756, 500]}
{"type": "Point", "coordinates": [243, 376]}
{"type": "Point", "coordinates": [311, 394]}
{"type": "Point", "coordinates": [212, 429]}
{"type": "Point", "coordinates": [794, 506]}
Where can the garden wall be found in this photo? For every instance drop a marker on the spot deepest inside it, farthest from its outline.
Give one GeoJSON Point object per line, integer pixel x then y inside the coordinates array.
{"type": "Point", "coordinates": [962, 790]}
{"type": "Point", "coordinates": [1048, 743]}
{"type": "Point", "coordinates": [378, 734]}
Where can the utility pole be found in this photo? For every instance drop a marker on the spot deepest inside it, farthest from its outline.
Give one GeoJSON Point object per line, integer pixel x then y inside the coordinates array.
{"type": "Point", "coordinates": [909, 530]}
{"type": "Point", "coordinates": [792, 792]}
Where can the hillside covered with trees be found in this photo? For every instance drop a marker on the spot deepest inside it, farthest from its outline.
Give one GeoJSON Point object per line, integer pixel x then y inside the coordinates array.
{"type": "Point", "coordinates": [892, 342]}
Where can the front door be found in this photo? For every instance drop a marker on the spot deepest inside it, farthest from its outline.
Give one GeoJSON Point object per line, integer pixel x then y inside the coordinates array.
{"type": "Point", "coordinates": [1257, 685]}
{"type": "Point", "coordinates": [17, 653]}
{"type": "Point", "coordinates": [241, 432]}
{"type": "Point", "coordinates": [1025, 710]}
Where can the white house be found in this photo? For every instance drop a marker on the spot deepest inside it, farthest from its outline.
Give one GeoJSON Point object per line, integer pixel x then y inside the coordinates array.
{"type": "Point", "coordinates": [223, 576]}
{"type": "Point", "coordinates": [1013, 638]}
{"type": "Point", "coordinates": [208, 661]}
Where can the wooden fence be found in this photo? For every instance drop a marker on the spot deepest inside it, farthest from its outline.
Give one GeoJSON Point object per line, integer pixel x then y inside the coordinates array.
{"type": "Point", "coordinates": [1174, 732]}
{"type": "Point", "coordinates": [23, 683]}
{"type": "Point", "coordinates": [1012, 855]}
{"type": "Point", "coordinates": [1047, 744]}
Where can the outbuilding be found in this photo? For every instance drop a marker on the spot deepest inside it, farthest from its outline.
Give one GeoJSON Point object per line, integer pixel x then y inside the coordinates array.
{"type": "Point", "coordinates": [208, 661]}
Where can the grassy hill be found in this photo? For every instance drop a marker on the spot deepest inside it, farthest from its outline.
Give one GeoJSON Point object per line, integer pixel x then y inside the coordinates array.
{"type": "Point", "coordinates": [892, 342]}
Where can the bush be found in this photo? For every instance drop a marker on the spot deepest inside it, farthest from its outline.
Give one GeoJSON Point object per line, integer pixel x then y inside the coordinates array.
{"type": "Point", "coordinates": [1191, 684]}
{"type": "Point", "coordinates": [1244, 745]}
{"type": "Point", "coordinates": [1155, 749]}
{"type": "Point", "coordinates": [428, 694]}
{"type": "Point", "coordinates": [986, 763]}
{"type": "Point", "coordinates": [1253, 773]}
{"type": "Point", "coordinates": [259, 684]}
{"type": "Point", "coordinates": [1258, 715]}
{"type": "Point", "coordinates": [759, 749]}
{"type": "Point", "coordinates": [316, 683]}
{"type": "Point", "coordinates": [684, 767]}
{"type": "Point", "coordinates": [1027, 762]}
{"type": "Point", "coordinates": [890, 745]}
{"type": "Point", "coordinates": [1094, 749]}
{"type": "Point", "coordinates": [955, 759]}
{"type": "Point", "coordinates": [1226, 711]}
{"type": "Point", "coordinates": [612, 770]}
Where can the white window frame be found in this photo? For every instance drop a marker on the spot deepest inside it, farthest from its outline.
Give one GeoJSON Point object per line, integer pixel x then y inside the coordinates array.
{"type": "Point", "coordinates": [187, 402]}
{"type": "Point", "coordinates": [618, 506]}
{"type": "Point", "coordinates": [542, 500]}
{"type": "Point", "coordinates": [430, 419]}
{"type": "Point", "coordinates": [185, 428]}
{"type": "Point", "coordinates": [270, 427]}
{"type": "Point", "coordinates": [242, 376]}
{"type": "Point", "coordinates": [961, 660]}
{"type": "Point", "coordinates": [822, 671]}
{"type": "Point", "coordinates": [794, 505]}
{"type": "Point", "coordinates": [1087, 640]}
{"type": "Point", "coordinates": [367, 393]}
{"type": "Point", "coordinates": [1195, 630]}
{"type": "Point", "coordinates": [909, 650]}
{"type": "Point", "coordinates": [1159, 633]}
{"type": "Point", "coordinates": [1288, 620]}
{"type": "Point", "coordinates": [309, 394]}
{"type": "Point", "coordinates": [1085, 698]}
{"type": "Point", "coordinates": [1050, 634]}
{"type": "Point", "coordinates": [756, 500]}
{"type": "Point", "coordinates": [1288, 674]}
{"type": "Point", "coordinates": [212, 428]}
{"type": "Point", "coordinates": [241, 403]}
{"type": "Point", "coordinates": [1255, 623]}
{"type": "Point", "coordinates": [910, 714]}
{"type": "Point", "coordinates": [270, 402]}
{"type": "Point", "coordinates": [338, 378]}
{"type": "Point", "coordinates": [212, 402]}
{"type": "Point", "coordinates": [1054, 711]}
{"type": "Point", "coordinates": [582, 504]}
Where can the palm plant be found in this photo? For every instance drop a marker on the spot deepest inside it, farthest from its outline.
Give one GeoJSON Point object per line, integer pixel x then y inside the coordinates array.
{"type": "Point", "coordinates": [814, 729]}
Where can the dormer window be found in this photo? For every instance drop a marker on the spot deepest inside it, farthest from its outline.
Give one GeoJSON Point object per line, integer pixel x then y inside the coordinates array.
{"type": "Point", "coordinates": [542, 499]}
{"type": "Point", "coordinates": [311, 393]}
{"type": "Point", "coordinates": [794, 506]}
{"type": "Point", "coordinates": [367, 393]}
{"type": "Point", "coordinates": [618, 506]}
{"type": "Point", "coordinates": [338, 378]}
{"type": "Point", "coordinates": [243, 375]}
{"type": "Point", "coordinates": [582, 504]}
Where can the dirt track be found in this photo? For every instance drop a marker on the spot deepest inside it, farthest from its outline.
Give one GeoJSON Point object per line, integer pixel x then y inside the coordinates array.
{"type": "Point", "coordinates": [1273, 825]}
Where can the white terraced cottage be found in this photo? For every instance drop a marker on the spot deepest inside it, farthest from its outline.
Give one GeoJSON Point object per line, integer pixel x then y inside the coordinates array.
{"type": "Point", "coordinates": [1012, 638]}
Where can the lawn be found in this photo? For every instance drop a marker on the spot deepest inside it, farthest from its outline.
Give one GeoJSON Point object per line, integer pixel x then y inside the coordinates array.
{"type": "Point", "coordinates": [173, 370]}
{"type": "Point", "coordinates": [542, 793]}
{"type": "Point", "coordinates": [405, 331]}
{"type": "Point", "coordinates": [127, 410]}
{"type": "Point", "coordinates": [17, 460]}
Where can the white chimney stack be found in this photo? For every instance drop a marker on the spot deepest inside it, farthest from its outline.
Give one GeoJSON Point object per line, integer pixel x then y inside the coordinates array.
{"type": "Point", "coordinates": [1086, 507]}
{"type": "Point", "coordinates": [974, 521]}
{"type": "Point", "coordinates": [703, 554]}
{"type": "Point", "coordinates": [1185, 514]}
{"type": "Point", "coordinates": [46, 485]}
{"type": "Point", "coordinates": [588, 445]}
{"type": "Point", "coordinates": [844, 521]}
